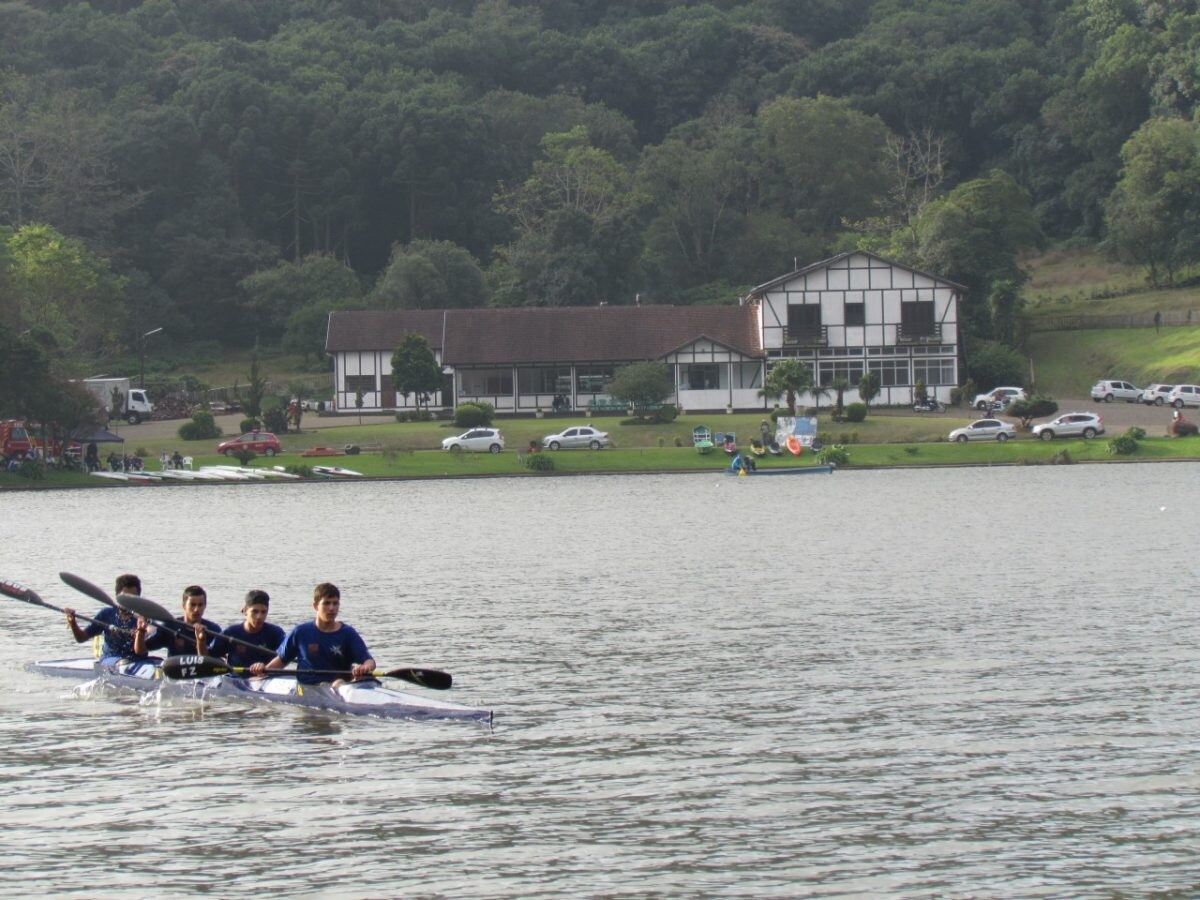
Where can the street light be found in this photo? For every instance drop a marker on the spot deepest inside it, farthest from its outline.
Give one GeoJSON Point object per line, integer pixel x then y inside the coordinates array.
{"type": "Point", "coordinates": [142, 357]}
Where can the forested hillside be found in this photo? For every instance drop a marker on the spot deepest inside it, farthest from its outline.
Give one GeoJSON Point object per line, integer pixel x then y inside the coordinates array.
{"type": "Point", "coordinates": [230, 170]}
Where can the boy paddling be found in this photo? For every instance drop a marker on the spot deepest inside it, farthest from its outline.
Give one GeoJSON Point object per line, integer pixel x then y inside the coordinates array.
{"type": "Point", "coordinates": [254, 629]}
{"type": "Point", "coordinates": [323, 643]}
{"type": "Point", "coordinates": [189, 635]}
{"type": "Point", "coordinates": [118, 626]}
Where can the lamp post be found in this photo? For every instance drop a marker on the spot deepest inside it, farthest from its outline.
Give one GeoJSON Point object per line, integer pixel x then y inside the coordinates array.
{"type": "Point", "coordinates": [142, 357]}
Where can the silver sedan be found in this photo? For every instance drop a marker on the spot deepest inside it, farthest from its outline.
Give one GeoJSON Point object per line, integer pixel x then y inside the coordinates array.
{"type": "Point", "coordinates": [577, 436]}
{"type": "Point", "coordinates": [984, 430]}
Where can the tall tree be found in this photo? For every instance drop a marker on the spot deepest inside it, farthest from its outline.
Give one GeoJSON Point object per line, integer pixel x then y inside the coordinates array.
{"type": "Point", "coordinates": [787, 378]}
{"type": "Point", "coordinates": [414, 368]}
{"type": "Point", "coordinates": [431, 275]}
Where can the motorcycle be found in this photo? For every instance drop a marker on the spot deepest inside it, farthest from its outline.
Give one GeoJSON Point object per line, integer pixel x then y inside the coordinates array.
{"type": "Point", "coordinates": [929, 404]}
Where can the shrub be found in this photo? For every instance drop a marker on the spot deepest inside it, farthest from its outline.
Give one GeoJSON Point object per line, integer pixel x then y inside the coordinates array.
{"type": "Point", "coordinates": [244, 455]}
{"type": "Point", "coordinates": [668, 412]}
{"type": "Point", "coordinates": [1122, 446]}
{"type": "Point", "coordinates": [276, 420]}
{"type": "Point", "coordinates": [811, 411]}
{"type": "Point", "coordinates": [33, 469]}
{"type": "Point", "coordinates": [835, 455]}
{"type": "Point", "coordinates": [856, 412]}
{"type": "Point", "coordinates": [968, 391]}
{"type": "Point", "coordinates": [956, 396]}
{"type": "Point", "coordinates": [1138, 434]}
{"type": "Point", "coordinates": [421, 415]}
{"type": "Point", "coordinates": [539, 462]}
{"type": "Point", "coordinates": [662, 441]}
{"type": "Point", "coordinates": [678, 442]}
{"type": "Point", "coordinates": [1061, 458]}
{"type": "Point", "coordinates": [403, 416]}
{"type": "Point", "coordinates": [249, 424]}
{"type": "Point", "coordinates": [473, 415]}
{"type": "Point", "coordinates": [775, 414]}
{"type": "Point", "coordinates": [202, 427]}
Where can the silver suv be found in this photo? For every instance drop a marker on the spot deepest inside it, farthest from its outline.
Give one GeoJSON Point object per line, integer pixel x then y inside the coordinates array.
{"type": "Point", "coordinates": [1108, 391]}
{"type": "Point", "coordinates": [477, 440]}
{"type": "Point", "coordinates": [1084, 425]}
{"type": "Point", "coordinates": [1000, 395]}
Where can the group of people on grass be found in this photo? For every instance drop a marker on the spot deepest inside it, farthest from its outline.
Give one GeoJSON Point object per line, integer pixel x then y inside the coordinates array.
{"type": "Point", "coordinates": [323, 645]}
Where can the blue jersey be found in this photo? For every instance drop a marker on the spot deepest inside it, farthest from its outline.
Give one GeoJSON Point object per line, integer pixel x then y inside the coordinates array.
{"type": "Point", "coordinates": [116, 643]}
{"type": "Point", "coordinates": [180, 639]}
{"type": "Point", "coordinates": [269, 637]}
{"type": "Point", "coordinates": [311, 648]}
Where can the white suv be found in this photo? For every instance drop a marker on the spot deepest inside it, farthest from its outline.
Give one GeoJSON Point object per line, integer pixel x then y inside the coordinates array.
{"type": "Point", "coordinates": [1001, 395]}
{"type": "Point", "coordinates": [1116, 390]}
{"type": "Point", "coordinates": [477, 440]}
{"type": "Point", "coordinates": [1184, 395]}
{"type": "Point", "coordinates": [1084, 425]}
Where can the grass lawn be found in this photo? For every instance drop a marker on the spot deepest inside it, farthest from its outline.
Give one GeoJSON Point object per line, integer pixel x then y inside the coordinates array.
{"type": "Point", "coordinates": [1068, 363]}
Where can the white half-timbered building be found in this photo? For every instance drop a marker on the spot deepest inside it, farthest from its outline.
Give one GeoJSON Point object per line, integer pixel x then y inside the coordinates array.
{"type": "Point", "coordinates": [857, 312]}
{"type": "Point", "coordinates": [853, 313]}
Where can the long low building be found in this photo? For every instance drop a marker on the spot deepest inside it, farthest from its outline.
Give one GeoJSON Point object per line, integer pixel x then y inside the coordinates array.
{"type": "Point", "coordinates": [847, 315]}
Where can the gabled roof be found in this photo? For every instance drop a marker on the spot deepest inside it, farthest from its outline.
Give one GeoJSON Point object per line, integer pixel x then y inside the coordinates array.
{"type": "Point", "coordinates": [826, 263]}
{"type": "Point", "coordinates": [529, 335]}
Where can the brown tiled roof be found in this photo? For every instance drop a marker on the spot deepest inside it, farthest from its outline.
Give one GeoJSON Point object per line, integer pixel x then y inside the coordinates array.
{"type": "Point", "coordinates": [381, 329]}
{"type": "Point", "coordinates": [559, 335]}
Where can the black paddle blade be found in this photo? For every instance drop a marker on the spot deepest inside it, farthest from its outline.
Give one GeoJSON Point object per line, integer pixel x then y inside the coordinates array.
{"type": "Point", "coordinates": [426, 678]}
{"type": "Point", "coordinates": [183, 667]}
{"type": "Point", "coordinates": [86, 587]}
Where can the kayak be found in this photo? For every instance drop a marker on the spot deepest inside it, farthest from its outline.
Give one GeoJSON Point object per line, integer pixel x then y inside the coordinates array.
{"type": "Point", "coordinates": [361, 698]}
{"type": "Point", "coordinates": [335, 472]}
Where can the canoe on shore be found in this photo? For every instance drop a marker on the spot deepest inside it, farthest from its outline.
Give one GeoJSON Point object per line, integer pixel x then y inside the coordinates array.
{"type": "Point", "coordinates": [362, 698]}
{"type": "Point", "coordinates": [792, 470]}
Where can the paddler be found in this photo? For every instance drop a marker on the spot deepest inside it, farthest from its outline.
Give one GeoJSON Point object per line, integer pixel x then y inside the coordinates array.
{"type": "Point", "coordinates": [118, 626]}
{"type": "Point", "coordinates": [190, 636]}
{"type": "Point", "coordinates": [253, 629]}
{"type": "Point", "coordinates": [323, 643]}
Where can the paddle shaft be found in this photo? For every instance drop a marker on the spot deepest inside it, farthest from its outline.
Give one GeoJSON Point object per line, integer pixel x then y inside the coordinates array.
{"type": "Point", "coordinates": [30, 596]}
{"type": "Point", "coordinates": [208, 666]}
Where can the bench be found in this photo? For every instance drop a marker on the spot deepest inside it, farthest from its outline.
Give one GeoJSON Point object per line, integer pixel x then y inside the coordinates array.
{"type": "Point", "coordinates": [607, 405]}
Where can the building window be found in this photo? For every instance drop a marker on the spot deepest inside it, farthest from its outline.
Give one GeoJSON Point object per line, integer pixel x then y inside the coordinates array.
{"type": "Point", "coordinates": [486, 382]}
{"type": "Point", "coordinates": [700, 377]}
{"type": "Point", "coordinates": [891, 372]}
{"type": "Point", "coordinates": [356, 383]}
{"type": "Point", "coordinates": [748, 375]}
{"type": "Point", "coordinates": [917, 318]}
{"type": "Point", "coordinates": [544, 380]}
{"type": "Point", "coordinates": [593, 379]}
{"type": "Point", "coordinates": [933, 371]}
{"type": "Point", "coordinates": [856, 314]}
{"type": "Point", "coordinates": [850, 369]}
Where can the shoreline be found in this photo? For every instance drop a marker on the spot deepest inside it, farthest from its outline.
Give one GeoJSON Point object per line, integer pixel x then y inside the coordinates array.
{"type": "Point", "coordinates": [107, 485]}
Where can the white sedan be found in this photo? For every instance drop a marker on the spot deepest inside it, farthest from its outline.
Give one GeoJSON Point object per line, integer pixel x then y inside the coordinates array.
{"type": "Point", "coordinates": [984, 430]}
{"type": "Point", "coordinates": [577, 436]}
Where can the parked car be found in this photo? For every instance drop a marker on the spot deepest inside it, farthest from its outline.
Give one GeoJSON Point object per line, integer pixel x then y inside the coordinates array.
{"type": "Point", "coordinates": [984, 430]}
{"type": "Point", "coordinates": [1108, 391]}
{"type": "Point", "coordinates": [1156, 394]}
{"type": "Point", "coordinates": [1184, 395]}
{"type": "Point", "coordinates": [1001, 395]}
{"type": "Point", "coordinates": [477, 440]}
{"type": "Point", "coordinates": [1084, 425]}
{"type": "Point", "coordinates": [258, 441]}
{"type": "Point", "coordinates": [577, 436]}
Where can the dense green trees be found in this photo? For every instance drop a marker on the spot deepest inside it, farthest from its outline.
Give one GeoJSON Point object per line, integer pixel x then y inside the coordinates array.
{"type": "Point", "coordinates": [565, 153]}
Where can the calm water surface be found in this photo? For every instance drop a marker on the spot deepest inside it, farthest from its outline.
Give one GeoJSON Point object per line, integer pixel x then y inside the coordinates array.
{"type": "Point", "coordinates": [962, 683]}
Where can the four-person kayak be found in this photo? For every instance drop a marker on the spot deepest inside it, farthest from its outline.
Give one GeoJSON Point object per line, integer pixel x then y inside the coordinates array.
{"type": "Point", "coordinates": [363, 698]}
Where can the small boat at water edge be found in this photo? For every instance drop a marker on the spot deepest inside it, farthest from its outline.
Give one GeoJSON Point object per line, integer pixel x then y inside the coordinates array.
{"type": "Point", "coordinates": [791, 470]}
{"type": "Point", "coordinates": [335, 472]}
{"type": "Point", "coordinates": [362, 698]}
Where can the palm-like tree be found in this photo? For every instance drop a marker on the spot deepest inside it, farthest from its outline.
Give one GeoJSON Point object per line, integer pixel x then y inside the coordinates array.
{"type": "Point", "coordinates": [787, 377]}
{"type": "Point", "coordinates": [840, 385]}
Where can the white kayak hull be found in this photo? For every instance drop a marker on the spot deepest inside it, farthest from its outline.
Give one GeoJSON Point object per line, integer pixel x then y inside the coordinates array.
{"type": "Point", "coordinates": [364, 698]}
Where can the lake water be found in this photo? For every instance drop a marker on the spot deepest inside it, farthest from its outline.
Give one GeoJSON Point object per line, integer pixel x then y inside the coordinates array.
{"type": "Point", "coordinates": [966, 682]}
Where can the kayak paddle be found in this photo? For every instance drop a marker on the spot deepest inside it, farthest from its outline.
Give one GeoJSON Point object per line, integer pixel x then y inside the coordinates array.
{"type": "Point", "coordinates": [208, 666]}
{"type": "Point", "coordinates": [86, 587]}
{"type": "Point", "coordinates": [30, 596]}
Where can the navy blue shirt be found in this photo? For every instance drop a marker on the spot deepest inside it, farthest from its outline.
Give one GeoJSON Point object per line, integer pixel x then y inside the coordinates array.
{"type": "Point", "coordinates": [312, 648]}
{"type": "Point", "coordinates": [269, 637]}
{"type": "Point", "coordinates": [180, 639]}
{"type": "Point", "coordinates": [116, 643]}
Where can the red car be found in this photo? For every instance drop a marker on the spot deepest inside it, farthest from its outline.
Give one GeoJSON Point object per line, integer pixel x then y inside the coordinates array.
{"type": "Point", "coordinates": [259, 441]}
